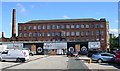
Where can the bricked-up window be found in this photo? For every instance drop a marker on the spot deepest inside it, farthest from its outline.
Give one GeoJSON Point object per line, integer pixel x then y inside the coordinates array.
{"type": "Point", "coordinates": [87, 33]}
{"type": "Point", "coordinates": [53, 33]}
{"type": "Point", "coordinates": [20, 28]}
{"type": "Point", "coordinates": [20, 34]}
{"type": "Point", "coordinates": [44, 34]}
{"type": "Point", "coordinates": [77, 33]}
{"type": "Point", "coordinates": [87, 26]}
{"type": "Point", "coordinates": [30, 27]}
{"type": "Point", "coordinates": [72, 26]}
{"type": "Point", "coordinates": [68, 33]}
{"type": "Point", "coordinates": [63, 26]}
{"type": "Point", "coordinates": [48, 34]}
{"type": "Point", "coordinates": [82, 33]}
{"type": "Point", "coordinates": [82, 26]}
{"type": "Point", "coordinates": [34, 28]}
{"type": "Point", "coordinates": [25, 34]}
{"type": "Point", "coordinates": [58, 26]}
{"type": "Point", "coordinates": [39, 27]}
{"type": "Point", "coordinates": [73, 33]}
{"type": "Point", "coordinates": [68, 26]}
{"type": "Point", "coordinates": [44, 27]}
{"type": "Point", "coordinates": [93, 26]}
{"type": "Point", "coordinates": [97, 25]}
{"type": "Point", "coordinates": [30, 34]}
{"type": "Point", "coordinates": [77, 26]}
{"type": "Point", "coordinates": [92, 33]}
{"type": "Point", "coordinates": [102, 25]}
{"type": "Point", "coordinates": [25, 27]}
{"type": "Point", "coordinates": [48, 26]}
{"type": "Point", "coordinates": [53, 26]}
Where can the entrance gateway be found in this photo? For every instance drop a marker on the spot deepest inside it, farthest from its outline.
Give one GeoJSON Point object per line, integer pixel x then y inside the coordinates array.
{"type": "Point", "coordinates": [55, 48]}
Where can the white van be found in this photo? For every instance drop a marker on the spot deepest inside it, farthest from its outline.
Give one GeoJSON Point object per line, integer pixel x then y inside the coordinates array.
{"type": "Point", "coordinates": [14, 55]}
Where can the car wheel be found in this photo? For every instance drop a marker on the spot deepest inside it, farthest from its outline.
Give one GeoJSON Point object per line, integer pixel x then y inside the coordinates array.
{"type": "Point", "coordinates": [99, 60]}
{"type": "Point", "coordinates": [31, 54]}
{"type": "Point", "coordinates": [18, 60]}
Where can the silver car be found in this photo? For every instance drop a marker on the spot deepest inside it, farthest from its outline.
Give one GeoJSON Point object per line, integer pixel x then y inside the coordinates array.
{"type": "Point", "coordinates": [101, 57]}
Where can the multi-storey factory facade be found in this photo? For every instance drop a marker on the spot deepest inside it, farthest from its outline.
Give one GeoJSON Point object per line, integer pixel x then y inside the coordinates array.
{"type": "Point", "coordinates": [77, 30]}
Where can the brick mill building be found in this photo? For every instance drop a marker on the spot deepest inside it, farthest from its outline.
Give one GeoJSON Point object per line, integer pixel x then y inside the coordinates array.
{"type": "Point", "coordinates": [61, 30]}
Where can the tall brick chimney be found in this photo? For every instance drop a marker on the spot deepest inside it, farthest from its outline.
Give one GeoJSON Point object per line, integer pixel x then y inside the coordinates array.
{"type": "Point", "coordinates": [2, 34]}
{"type": "Point", "coordinates": [14, 23]}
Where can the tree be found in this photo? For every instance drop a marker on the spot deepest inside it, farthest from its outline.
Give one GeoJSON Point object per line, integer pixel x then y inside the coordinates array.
{"type": "Point", "coordinates": [114, 42]}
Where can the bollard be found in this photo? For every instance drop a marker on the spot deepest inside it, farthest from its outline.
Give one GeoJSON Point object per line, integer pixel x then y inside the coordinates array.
{"type": "Point", "coordinates": [90, 61]}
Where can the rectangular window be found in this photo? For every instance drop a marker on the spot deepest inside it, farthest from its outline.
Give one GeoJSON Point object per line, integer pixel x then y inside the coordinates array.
{"type": "Point", "coordinates": [25, 27]}
{"type": "Point", "coordinates": [68, 33]}
{"type": "Point", "coordinates": [68, 26]}
{"type": "Point", "coordinates": [20, 28]}
{"type": "Point", "coordinates": [58, 26]}
{"type": "Point", "coordinates": [97, 32]}
{"type": "Point", "coordinates": [102, 26]}
{"type": "Point", "coordinates": [63, 26]}
{"type": "Point", "coordinates": [87, 33]}
{"type": "Point", "coordinates": [39, 34]}
{"type": "Point", "coordinates": [53, 26]}
{"type": "Point", "coordinates": [35, 34]}
{"type": "Point", "coordinates": [48, 26]}
{"type": "Point", "coordinates": [73, 33]}
{"type": "Point", "coordinates": [20, 34]}
{"type": "Point", "coordinates": [53, 34]}
{"type": "Point", "coordinates": [39, 27]}
{"type": "Point", "coordinates": [93, 25]}
{"type": "Point", "coordinates": [30, 27]}
{"type": "Point", "coordinates": [72, 26]}
{"type": "Point", "coordinates": [102, 32]}
{"type": "Point", "coordinates": [87, 26]}
{"type": "Point", "coordinates": [82, 26]}
{"type": "Point", "coordinates": [82, 33]}
{"type": "Point", "coordinates": [34, 28]}
{"type": "Point", "coordinates": [97, 26]}
{"type": "Point", "coordinates": [30, 34]}
{"type": "Point", "coordinates": [92, 33]}
{"type": "Point", "coordinates": [25, 34]}
{"type": "Point", "coordinates": [44, 34]}
{"type": "Point", "coordinates": [77, 33]}
{"type": "Point", "coordinates": [44, 27]}
{"type": "Point", "coordinates": [77, 25]}
{"type": "Point", "coordinates": [48, 34]}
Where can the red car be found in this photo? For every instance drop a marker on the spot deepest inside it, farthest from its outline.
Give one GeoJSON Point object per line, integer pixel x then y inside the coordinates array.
{"type": "Point", "coordinates": [117, 58]}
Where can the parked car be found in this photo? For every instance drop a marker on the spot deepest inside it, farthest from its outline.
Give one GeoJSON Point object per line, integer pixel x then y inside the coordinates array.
{"type": "Point", "coordinates": [14, 55]}
{"type": "Point", "coordinates": [90, 53]}
{"type": "Point", "coordinates": [117, 58]}
{"type": "Point", "coordinates": [103, 57]}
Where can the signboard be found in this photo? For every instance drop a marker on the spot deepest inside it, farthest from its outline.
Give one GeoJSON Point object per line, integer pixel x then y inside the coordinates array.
{"type": "Point", "coordinates": [55, 46]}
{"type": "Point", "coordinates": [14, 45]}
{"type": "Point", "coordinates": [93, 45]}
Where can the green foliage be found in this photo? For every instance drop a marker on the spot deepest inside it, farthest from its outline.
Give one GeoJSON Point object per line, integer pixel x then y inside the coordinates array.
{"type": "Point", "coordinates": [114, 42]}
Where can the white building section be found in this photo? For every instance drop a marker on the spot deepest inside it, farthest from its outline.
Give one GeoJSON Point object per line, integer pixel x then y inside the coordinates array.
{"type": "Point", "coordinates": [93, 45]}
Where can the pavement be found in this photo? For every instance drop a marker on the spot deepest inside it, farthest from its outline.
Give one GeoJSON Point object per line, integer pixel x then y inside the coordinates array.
{"type": "Point", "coordinates": [58, 62]}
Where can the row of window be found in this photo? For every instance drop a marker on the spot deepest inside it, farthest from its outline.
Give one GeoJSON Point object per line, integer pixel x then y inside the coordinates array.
{"type": "Point", "coordinates": [68, 26]}
{"type": "Point", "coordinates": [73, 39]}
{"type": "Point", "coordinates": [77, 33]}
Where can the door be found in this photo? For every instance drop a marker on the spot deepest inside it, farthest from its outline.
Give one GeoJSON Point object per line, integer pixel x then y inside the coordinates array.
{"type": "Point", "coordinates": [77, 48]}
